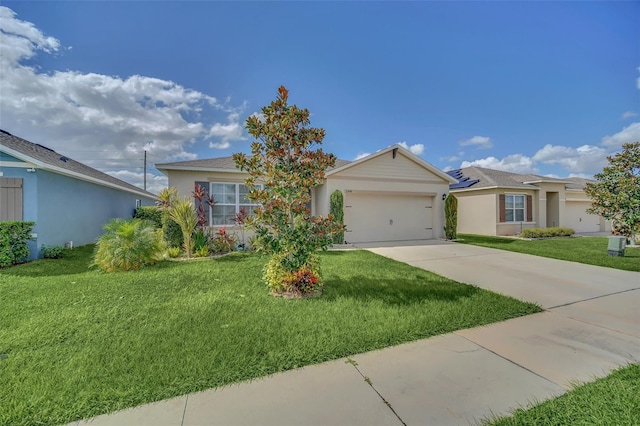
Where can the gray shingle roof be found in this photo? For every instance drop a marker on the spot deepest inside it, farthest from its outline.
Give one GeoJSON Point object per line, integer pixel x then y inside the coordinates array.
{"type": "Point", "coordinates": [218, 163]}
{"type": "Point", "coordinates": [49, 157]}
{"type": "Point", "coordinates": [577, 183]}
{"type": "Point", "coordinates": [490, 178]}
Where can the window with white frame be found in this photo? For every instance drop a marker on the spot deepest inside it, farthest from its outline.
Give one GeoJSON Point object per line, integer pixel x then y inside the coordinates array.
{"type": "Point", "coordinates": [229, 199]}
{"type": "Point", "coordinates": [514, 208]}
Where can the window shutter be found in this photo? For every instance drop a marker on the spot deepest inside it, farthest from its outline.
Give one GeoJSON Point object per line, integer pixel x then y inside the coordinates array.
{"type": "Point", "coordinates": [205, 206]}
{"type": "Point", "coordinates": [529, 208]}
{"type": "Point", "coordinates": [502, 207]}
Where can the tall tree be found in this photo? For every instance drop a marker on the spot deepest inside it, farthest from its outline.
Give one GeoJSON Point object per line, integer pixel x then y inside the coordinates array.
{"type": "Point", "coordinates": [286, 159]}
{"type": "Point", "coordinates": [616, 193]}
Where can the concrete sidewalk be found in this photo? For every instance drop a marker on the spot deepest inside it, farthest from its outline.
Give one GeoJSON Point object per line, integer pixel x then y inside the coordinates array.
{"type": "Point", "coordinates": [591, 325]}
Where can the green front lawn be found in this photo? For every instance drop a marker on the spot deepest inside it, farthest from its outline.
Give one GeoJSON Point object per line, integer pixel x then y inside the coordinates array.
{"type": "Point", "coordinates": [613, 400]}
{"type": "Point", "coordinates": [589, 250]}
{"type": "Point", "coordinates": [75, 343]}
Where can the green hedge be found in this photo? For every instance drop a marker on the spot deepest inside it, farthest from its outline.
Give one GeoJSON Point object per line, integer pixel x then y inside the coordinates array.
{"type": "Point", "coordinates": [547, 232]}
{"type": "Point", "coordinates": [13, 242]}
{"type": "Point", "coordinates": [150, 213]}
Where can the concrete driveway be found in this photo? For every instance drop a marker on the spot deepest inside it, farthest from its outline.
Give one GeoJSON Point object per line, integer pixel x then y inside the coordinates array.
{"type": "Point", "coordinates": [547, 282]}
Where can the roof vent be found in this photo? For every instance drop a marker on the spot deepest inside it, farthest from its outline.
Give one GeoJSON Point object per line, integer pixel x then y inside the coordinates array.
{"type": "Point", "coordinates": [64, 159]}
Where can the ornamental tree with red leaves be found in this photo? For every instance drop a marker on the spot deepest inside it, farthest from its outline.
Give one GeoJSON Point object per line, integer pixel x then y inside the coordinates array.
{"type": "Point", "coordinates": [287, 159]}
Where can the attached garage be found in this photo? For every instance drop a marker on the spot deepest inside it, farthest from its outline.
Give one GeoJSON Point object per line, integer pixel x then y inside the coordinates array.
{"type": "Point", "coordinates": [391, 195]}
{"type": "Point", "coordinates": [376, 217]}
{"type": "Point", "coordinates": [578, 219]}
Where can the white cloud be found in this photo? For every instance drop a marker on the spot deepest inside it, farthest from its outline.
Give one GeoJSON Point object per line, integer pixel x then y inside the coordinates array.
{"type": "Point", "coordinates": [581, 175]}
{"type": "Point", "coordinates": [629, 114]}
{"type": "Point", "coordinates": [480, 142]}
{"type": "Point", "coordinates": [25, 38]}
{"type": "Point", "coordinates": [232, 131]}
{"type": "Point", "coordinates": [361, 155]}
{"type": "Point", "coordinates": [516, 163]}
{"type": "Point", "coordinates": [585, 158]}
{"type": "Point", "coordinates": [631, 133]}
{"type": "Point", "coordinates": [154, 182]}
{"type": "Point", "coordinates": [71, 112]}
{"type": "Point", "coordinates": [416, 149]}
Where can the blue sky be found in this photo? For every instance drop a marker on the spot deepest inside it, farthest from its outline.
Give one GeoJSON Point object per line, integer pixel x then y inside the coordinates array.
{"type": "Point", "coordinates": [544, 87]}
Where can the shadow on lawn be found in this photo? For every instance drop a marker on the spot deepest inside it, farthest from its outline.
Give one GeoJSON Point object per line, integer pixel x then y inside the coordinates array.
{"type": "Point", "coordinates": [400, 291]}
{"type": "Point", "coordinates": [481, 240]}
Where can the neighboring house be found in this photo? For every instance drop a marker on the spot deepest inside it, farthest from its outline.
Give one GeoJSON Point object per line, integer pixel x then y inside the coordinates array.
{"type": "Point", "coordinates": [68, 201]}
{"type": "Point", "coordinates": [493, 202]}
{"type": "Point", "coordinates": [391, 195]}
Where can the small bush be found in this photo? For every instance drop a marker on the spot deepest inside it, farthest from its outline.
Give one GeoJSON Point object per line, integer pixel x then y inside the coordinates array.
{"type": "Point", "coordinates": [150, 213]}
{"type": "Point", "coordinates": [52, 252]}
{"type": "Point", "coordinates": [547, 232]}
{"type": "Point", "coordinates": [200, 239]}
{"type": "Point", "coordinates": [305, 280]}
{"type": "Point", "coordinates": [223, 241]}
{"type": "Point", "coordinates": [128, 245]}
{"type": "Point", "coordinates": [171, 232]}
{"type": "Point", "coordinates": [173, 252]}
{"type": "Point", "coordinates": [13, 242]}
{"type": "Point", "coordinates": [202, 252]}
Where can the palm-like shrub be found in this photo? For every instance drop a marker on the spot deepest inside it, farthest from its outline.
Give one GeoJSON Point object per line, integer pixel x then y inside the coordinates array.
{"type": "Point", "coordinates": [128, 245]}
{"type": "Point", "coordinates": [171, 231]}
{"type": "Point", "coordinates": [183, 213]}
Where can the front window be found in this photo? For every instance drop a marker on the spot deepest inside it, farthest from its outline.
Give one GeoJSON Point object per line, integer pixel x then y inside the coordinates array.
{"type": "Point", "coordinates": [514, 208]}
{"type": "Point", "coordinates": [229, 199]}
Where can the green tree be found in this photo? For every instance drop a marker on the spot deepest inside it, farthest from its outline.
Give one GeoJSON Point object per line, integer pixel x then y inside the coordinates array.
{"type": "Point", "coordinates": [616, 193]}
{"type": "Point", "coordinates": [286, 160]}
{"type": "Point", "coordinates": [451, 217]}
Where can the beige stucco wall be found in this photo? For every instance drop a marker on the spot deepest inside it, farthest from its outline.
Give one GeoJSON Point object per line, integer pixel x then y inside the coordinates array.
{"type": "Point", "coordinates": [478, 212]}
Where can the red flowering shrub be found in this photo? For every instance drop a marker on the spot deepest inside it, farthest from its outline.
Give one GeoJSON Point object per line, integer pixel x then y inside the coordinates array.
{"type": "Point", "coordinates": [303, 281]}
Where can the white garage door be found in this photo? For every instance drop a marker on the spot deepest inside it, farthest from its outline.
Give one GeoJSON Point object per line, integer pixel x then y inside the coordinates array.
{"type": "Point", "coordinates": [578, 219]}
{"type": "Point", "coordinates": [387, 217]}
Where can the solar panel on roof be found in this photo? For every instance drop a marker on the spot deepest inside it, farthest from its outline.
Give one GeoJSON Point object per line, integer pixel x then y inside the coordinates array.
{"type": "Point", "coordinates": [463, 181]}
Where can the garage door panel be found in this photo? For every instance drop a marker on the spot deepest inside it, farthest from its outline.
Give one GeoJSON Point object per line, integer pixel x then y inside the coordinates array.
{"type": "Point", "coordinates": [387, 217]}
{"type": "Point", "coordinates": [578, 219]}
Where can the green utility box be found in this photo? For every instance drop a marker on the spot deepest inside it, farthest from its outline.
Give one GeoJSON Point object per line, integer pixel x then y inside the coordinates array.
{"type": "Point", "coordinates": [616, 246]}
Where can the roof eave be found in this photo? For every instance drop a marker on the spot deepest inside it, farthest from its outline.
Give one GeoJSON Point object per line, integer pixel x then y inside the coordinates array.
{"type": "Point", "coordinates": [162, 167]}
{"type": "Point", "coordinates": [495, 187]}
